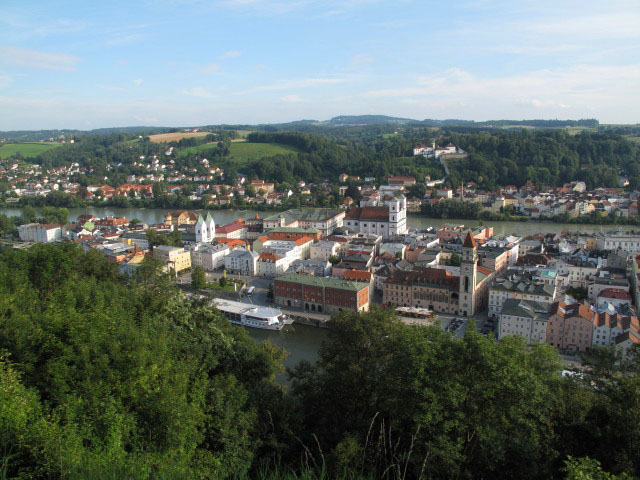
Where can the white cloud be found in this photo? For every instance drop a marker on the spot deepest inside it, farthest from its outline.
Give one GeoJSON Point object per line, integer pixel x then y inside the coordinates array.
{"type": "Point", "coordinates": [230, 54]}
{"type": "Point", "coordinates": [211, 68]}
{"type": "Point", "coordinates": [138, 81]}
{"type": "Point", "coordinates": [24, 57]}
{"type": "Point", "coordinates": [199, 92]}
{"type": "Point", "coordinates": [601, 91]}
{"type": "Point", "coordinates": [359, 61]}
{"type": "Point", "coordinates": [5, 80]}
{"type": "Point", "coordinates": [299, 83]}
{"type": "Point", "coordinates": [614, 24]}
{"type": "Point", "coordinates": [112, 88]}
{"type": "Point", "coordinates": [121, 39]}
{"type": "Point", "coordinates": [291, 98]}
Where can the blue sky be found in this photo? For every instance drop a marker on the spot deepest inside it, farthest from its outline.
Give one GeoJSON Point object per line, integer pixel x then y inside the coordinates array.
{"type": "Point", "coordinates": [73, 64]}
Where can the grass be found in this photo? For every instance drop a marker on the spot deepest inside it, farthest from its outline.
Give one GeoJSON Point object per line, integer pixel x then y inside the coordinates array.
{"type": "Point", "coordinates": [634, 139]}
{"type": "Point", "coordinates": [576, 130]}
{"type": "Point", "coordinates": [174, 137]}
{"type": "Point", "coordinates": [244, 151]}
{"type": "Point", "coordinates": [27, 150]}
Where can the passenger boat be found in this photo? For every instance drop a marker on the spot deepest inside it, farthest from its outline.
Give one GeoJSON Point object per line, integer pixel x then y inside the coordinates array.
{"type": "Point", "coordinates": [254, 316]}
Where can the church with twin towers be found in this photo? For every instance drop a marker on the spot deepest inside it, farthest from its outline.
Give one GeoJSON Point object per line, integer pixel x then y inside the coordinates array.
{"type": "Point", "coordinates": [205, 229]}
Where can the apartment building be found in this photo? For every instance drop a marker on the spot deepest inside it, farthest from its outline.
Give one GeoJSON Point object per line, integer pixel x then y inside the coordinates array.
{"type": "Point", "coordinates": [524, 318]}
{"type": "Point", "coordinates": [322, 295]}
{"type": "Point", "coordinates": [174, 258]}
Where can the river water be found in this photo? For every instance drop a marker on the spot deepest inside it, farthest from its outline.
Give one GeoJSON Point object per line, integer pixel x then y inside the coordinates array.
{"type": "Point", "coordinates": [221, 217]}
{"type": "Point", "coordinates": [302, 342]}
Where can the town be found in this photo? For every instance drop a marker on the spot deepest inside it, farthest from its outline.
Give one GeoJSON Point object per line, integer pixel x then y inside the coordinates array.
{"type": "Point", "coordinates": [207, 186]}
{"type": "Point", "coordinates": [572, 291]}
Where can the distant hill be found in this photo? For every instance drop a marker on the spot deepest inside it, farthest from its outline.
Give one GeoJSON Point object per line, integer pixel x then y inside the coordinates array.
{"type": "Point", "coordinates": [339, 121]}
{"type": "Point", "coordinates": [367, 120]}
{"type": "Point", "coordinates": [44, 135]}
{"type": "Point", "coordinates": [588, 122]}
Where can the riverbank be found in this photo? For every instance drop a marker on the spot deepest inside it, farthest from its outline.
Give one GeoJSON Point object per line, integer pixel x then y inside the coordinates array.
{"type": "Point", "coordinates": [418, 221]}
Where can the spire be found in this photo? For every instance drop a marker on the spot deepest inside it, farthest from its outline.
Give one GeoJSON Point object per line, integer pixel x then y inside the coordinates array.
{"type": "Point", "coordinates": [209, 217]}
{"type": "Point", "coordinates": [200, 220]}
{"type": "Point", "coordinates": [469, 241]}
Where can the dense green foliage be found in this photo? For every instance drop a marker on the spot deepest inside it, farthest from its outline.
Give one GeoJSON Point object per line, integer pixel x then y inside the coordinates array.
{"type": "Point", "coordinates": [497, 157]}
{"type": "Point", "coordinates": [106, 379]}
{"type": "Point", "coordinates": [547, 157]}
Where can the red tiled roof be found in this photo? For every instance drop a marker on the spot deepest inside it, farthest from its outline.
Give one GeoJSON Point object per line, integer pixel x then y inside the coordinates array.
{"type": "Point", "coordinates": [469, 241]}
{"type": "Point", "coordinates": [269, 257]}
{"type": "Point", "coordinates": [379, 214]}
{"type": "Point", "coordinates": [615, 293]}
{"type": "Point", "coordinates": [357, 275]}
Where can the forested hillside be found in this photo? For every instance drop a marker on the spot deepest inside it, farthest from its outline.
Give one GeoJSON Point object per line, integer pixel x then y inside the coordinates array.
{"type": "Point", "coordinates": [546, 157]}
{"type": "Point", "coordinates": [107, 377]}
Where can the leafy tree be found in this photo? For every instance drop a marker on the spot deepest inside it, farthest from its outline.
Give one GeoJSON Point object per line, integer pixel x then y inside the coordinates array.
{"type": "Point", "coordinates": [7, 226]}
{"type": "Point", "coordinates": [126, 380]}
{"type": "Point", "coordinates": [589, 469]}
{"type": "Point", "coordinates": [198, 278]}
{"type": "Point", "coordinates": [453, 260]}
{"type": "Point", "coordinates": [334, 260]}
{"type": "Point", "coordinates": [28, 214]}
{"type": "Point", "coordinates": [371, 381]}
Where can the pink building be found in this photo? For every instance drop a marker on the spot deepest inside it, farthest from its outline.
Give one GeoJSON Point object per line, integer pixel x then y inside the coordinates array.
{"type": "Point", "coordinates": [570, 327]}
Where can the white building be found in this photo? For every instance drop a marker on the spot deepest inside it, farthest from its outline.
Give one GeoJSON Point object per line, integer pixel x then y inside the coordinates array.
{"type": "Point", "coordinates": [387, 220]}
{"type": "Point", "coordinates": [27, 232]}
{"type": "Point", "coordinates": [271, 265]}
{"type": "Point", "coordinates": [209, 257]}
{"type": "Point", "coordinates": [205, 229]}
{"type": "Point", "coordinates": [241, 261]}
{"type": "Point", "coordinates": [34, 232]}
{"type": "Point", "coordinates": [627, 241]}
{"type": "Point", "coordinates": [519, 289]}
{"type": "Point", "coordinates": [527, 319]}
{"type": "Point", "coordinates": [324, 250]}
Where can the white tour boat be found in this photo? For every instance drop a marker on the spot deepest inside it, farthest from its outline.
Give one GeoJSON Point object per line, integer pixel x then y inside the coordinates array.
{"type": "Point", "coordinates": [249, 315]}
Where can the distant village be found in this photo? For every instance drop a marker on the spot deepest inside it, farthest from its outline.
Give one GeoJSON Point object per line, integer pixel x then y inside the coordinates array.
{"type": "Point", "coordinates": [569, 201]}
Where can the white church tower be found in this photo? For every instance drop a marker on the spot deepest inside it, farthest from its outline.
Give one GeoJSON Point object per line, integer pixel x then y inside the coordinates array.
{"type": "Point", "coordinates": [397, 215]}
{"type": "Point", "coordinates": [202, 233]}
{"type": "Point", "coordinates": [210, 226]}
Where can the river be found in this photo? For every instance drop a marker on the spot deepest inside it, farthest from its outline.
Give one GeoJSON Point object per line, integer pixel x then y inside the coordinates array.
{"type": "Point", "coordinates": [221, 217]}
{"type": "Point", "coordinates": [300, 341]}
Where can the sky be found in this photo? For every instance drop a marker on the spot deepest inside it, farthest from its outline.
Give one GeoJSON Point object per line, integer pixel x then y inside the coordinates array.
{"type": "Point", "coordinates": [84, 65]}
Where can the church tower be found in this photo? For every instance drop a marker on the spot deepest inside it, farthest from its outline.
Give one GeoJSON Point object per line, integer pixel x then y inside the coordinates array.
{"type": "Point", "coordinates": [211, 227]}
{"type": "Point", "coordinates": [202, 234]}
{"type": "Point", "coordinates": [468, 276]}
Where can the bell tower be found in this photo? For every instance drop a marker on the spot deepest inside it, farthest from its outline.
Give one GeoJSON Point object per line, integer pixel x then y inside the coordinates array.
{"type": "Point", "coordinates": [468, 276]}
{"type": "Point", "coordinates": [202, 235]}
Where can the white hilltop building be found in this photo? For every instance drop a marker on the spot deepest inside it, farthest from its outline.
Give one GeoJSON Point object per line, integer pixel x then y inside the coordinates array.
{"type": "Point", "coordinates": [205, 229]}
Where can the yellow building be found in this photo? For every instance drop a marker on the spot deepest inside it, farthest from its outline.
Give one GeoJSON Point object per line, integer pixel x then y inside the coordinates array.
{"type": "Point", "coordinates": [180, 217]}
{"type": "Point", "coordinates": [175, 258]}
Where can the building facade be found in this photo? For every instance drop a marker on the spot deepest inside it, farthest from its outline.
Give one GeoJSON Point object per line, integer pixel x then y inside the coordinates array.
{"type": "Point", "coordinates": [174, 258]}
{"type": "Point", "coordinates": [322, 295]}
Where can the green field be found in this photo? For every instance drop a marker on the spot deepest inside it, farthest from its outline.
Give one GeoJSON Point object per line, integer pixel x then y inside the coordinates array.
{"type": "Point", "coordinates": [634, 139]}
{"type": "Point", "coordinates": [576, 130]}
{"type": "Point", "coordinates": [27, 150]}
{"type": "Point", "coordinates": [244, 151]}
